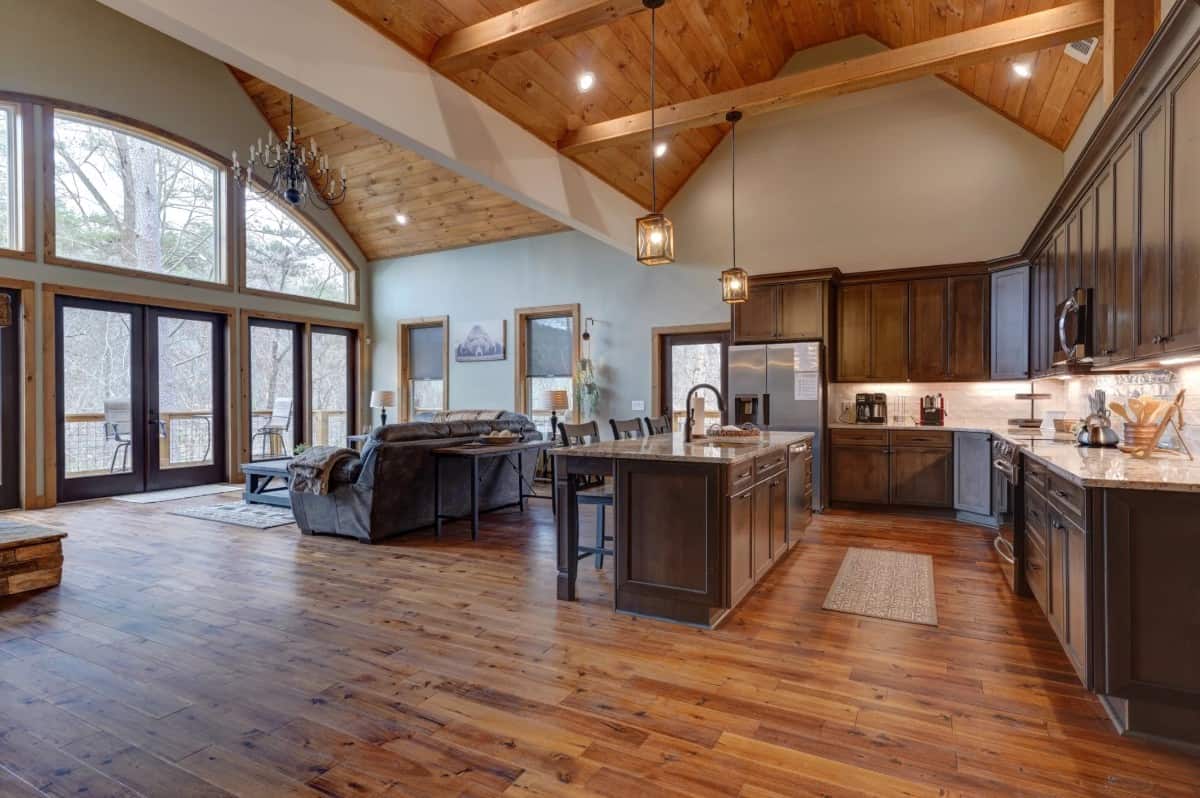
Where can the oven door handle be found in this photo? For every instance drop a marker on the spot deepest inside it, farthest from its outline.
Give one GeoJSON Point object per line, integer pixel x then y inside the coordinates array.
{"type": "Point", "coordinates": [1007, 469]}
{"type": "Point", "coordinates": [1000, 545]}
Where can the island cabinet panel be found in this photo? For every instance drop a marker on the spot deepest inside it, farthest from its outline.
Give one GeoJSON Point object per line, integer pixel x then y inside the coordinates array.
{"type": "Point", "coordinates": [1010, 335]}
{"type": "Point", "coordinates": [756, 318]}
{"type": "Point", "coordinates": [1149, 629]}
{"type": "Point", "coordinates": [778, 490]}
{"type": "Point", "coordinates": [929, 347]}
{"type": "Point", "coordinates": [669, 528]}
{"type": "Point", "coordinates": [1185, 213]}
{"type": "Point", "coordinates": [741, 545]}
{"type": "Point", "coordinates": [854, 333]}
{"type": "Point", "coordinates": [968, 300]}
{"type": "Point", "coordinates": [1152, 274]}
{"type": "Point", "coordinates": [764, 552]}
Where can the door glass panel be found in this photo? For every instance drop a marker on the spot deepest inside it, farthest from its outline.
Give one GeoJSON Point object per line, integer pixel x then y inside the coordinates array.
{"type": "Point", "coordinates": [97, 392]}
{"type": "Point", "coordinates": [692, 364]}
{"type": "Point", "coordinates": [185, 392]}
{"type": "Point", "coordinates": [272, 396]}
{"type": "Point", "coordinates": [330, 389]}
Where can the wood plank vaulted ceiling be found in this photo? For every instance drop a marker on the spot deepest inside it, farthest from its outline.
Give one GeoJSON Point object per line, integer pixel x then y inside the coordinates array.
{"type": "Point", "coordinates": [704, 47]}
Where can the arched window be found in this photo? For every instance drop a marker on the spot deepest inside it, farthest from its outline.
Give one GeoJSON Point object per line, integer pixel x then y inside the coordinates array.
{"type": "Point", "coordinates": [127, 200]}
{"type": "Point", "coordinates": [284, 256]}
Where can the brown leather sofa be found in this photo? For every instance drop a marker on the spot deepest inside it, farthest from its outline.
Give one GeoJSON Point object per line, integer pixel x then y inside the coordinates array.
{"type": "Point", "coordinates": [388, 489]}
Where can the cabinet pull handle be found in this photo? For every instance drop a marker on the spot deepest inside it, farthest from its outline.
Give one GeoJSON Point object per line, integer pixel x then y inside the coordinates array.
{"type": "Point", "coordinates": [1034, 565]}
{"type": "Point", "coordinates": [1062, 494]}
{"type": "Point", "coordinates": [1056, 524]}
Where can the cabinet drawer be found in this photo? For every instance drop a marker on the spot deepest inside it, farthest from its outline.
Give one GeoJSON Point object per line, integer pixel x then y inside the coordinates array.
{"type": "Point", "coordinates": [1037, 572]}
{"type": "Point", "coordinates": [1035, 474]}
{"type": "Point", "coordinates": [1036, 520]}
{"type": "Point", "coordinates": [770, 463]}
{"type": "Point", "coordinates": [741, 476]}
{"type": "Point", "coordinates": [1068, 498]}
{"type": "Point", "coordinates": [913, 437]}
{"type": "Point", "coordinates": [843, 436]}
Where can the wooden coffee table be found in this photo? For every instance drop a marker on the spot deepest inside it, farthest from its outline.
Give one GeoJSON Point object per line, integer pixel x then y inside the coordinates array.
{"type": "Point", "coordinates": [476, 452]}
{"type": "Point", "coordinates": [261, 487]}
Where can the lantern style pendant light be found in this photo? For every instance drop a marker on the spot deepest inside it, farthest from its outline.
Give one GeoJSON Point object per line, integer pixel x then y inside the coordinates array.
{"type": "Point", "coordinates": [735, 283]}
{"type": "Point", "coordinates": [655, 233]}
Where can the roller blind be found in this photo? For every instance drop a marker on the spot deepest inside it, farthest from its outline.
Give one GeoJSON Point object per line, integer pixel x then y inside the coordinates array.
{"type": "Point", "coordinates": [549, 347]}
{"type": "Point", "coordinates": [425, 353]}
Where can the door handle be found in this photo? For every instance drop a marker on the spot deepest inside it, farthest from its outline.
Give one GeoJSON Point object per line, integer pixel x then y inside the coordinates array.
{"type": "Point", "coordinates": [766, 406]}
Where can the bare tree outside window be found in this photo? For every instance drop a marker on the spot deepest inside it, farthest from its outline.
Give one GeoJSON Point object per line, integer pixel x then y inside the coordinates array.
{"type": "Point", "coordinates": [272, 377]}
{"type": "Point", "coordinates": [330, 388]}
{"type": "Point", "coordinates": [97, 368]}
{"type": "Point", "coordinates": [7, 181]}
{"type": "Point", "coordinates": [692, 364]}
{"type": "Point", "coordinates": [283, 257]}
{"type": "Point", "coordinates": [123, 200]}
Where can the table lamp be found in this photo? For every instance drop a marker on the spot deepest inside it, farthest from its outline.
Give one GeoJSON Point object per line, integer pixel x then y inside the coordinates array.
{"type": "Point", "coordinates": [382, 400]}
{"type": "Point", "coordinates": [556, 400]}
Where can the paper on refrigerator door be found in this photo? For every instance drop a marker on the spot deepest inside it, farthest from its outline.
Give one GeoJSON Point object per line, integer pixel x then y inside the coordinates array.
{"type": "Point", "coordinates": [808, 386]}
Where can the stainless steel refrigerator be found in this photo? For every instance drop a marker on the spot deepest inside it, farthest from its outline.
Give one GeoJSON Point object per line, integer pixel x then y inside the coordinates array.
{"type": "Point", "coordinates": [781, 387]}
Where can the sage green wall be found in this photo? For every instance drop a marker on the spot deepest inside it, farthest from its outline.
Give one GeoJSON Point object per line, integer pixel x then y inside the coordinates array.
{"type": "Point", "coordinates": [83, 52]}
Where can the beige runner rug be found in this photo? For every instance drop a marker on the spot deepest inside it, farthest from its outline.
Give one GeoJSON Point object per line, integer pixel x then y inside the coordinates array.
{"type": "Point", "coordinates": [896, 585]}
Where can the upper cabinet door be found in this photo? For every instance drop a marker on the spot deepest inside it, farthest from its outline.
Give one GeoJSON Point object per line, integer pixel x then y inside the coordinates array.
{"type": "Point", "coordinates": [969, 329]}
{"type": "Point", "coordinates": [1185, 214]}
{"type": "Point", "coordinates": [755, 319]}
{"type": "Point", "coordinates": [1010, 324]}
{"type": "Point", "coordinates": [889, 331]}
{"type": "Point", "coordinates": [928, 351]}
{"type": "Point", "coordinates": [854, 333]}
{"type": "Point", "coordinates": [1125, 192]}
{"type": "Point", "coordinates": [1102, 296]}
{"type": "Point", "coordinates": [1086, 246]}
{"type": "Point", "coordinates": [1152, 277]}
{"type": "Point", "coordinates": [801, 310]}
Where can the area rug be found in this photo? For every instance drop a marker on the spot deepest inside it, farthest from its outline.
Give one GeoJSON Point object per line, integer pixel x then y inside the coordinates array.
{"type": "Point", "coordinates": [155, 496]}
{"type": "Point", "coordinates": [256, 516]}
{"type": "Point", "coordinates": [896, 585]}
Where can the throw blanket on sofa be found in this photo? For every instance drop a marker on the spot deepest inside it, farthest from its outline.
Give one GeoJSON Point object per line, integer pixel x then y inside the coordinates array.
{"type": "Point", "coordinates": [311, 468]}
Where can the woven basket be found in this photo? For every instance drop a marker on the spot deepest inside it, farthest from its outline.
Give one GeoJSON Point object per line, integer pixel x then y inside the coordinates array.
{"type": "Point", "coordinates": [1140, 436]}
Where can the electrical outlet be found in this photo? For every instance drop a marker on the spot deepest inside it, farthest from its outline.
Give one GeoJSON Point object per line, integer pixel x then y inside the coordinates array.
{"type": "Point", "coordinates": [639, 405]}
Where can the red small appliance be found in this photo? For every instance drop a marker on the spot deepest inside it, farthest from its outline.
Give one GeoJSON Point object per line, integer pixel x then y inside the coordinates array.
{"type": "Point", "coordinates": [933, 411]}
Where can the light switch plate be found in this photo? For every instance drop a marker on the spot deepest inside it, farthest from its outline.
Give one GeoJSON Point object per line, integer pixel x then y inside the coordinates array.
{"type": "Point", "coordinates": [639, 405]}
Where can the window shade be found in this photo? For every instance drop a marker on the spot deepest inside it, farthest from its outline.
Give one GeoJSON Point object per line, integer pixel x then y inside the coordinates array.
{"type": "Point", "coordinates": [425, 353]}
{"type": "Point", "coordinates": [549, 347]}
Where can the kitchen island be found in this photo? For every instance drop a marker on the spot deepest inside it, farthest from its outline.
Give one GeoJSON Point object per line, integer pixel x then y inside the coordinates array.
{"type": "Point", "coordinates": [697, 524]}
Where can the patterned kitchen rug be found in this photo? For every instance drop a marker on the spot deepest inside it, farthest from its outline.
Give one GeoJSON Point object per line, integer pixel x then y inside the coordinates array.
{"type": "Point", "coordinates": [896, 585]}
{"type": "Point", "coordinates": [255, 516]}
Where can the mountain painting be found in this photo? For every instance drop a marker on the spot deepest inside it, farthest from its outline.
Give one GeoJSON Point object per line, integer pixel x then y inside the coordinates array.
{"type": "Point", "coordinates": [485, 341]}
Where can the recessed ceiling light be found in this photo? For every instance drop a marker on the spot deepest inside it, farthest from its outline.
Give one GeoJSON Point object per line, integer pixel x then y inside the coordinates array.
{"type": "Point", "coordinates": [660, 149]}
{"type": "Point", "coordinates": [401, 218]}
{"type": "Point", "coordinates": [1022, 70]}
{"type": "Point", "coordinates": [586, 81]}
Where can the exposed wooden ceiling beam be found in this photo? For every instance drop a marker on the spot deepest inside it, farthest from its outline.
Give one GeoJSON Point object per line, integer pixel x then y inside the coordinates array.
{"type": "Point", "coordinates": [1128, 26]}
{"type": "Point", "coordinates": [1015, 36]}
{"type": "Point", "coordinates": [523, 29]}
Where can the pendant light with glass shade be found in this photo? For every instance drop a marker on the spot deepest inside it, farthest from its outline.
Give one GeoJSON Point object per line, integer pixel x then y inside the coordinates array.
{"type": "Point", "coordinates": [655, 233]}
{"type": "Point", "coordinates": [735, 283]}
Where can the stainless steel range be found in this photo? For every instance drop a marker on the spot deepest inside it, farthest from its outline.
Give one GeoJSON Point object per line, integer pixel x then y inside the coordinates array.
{"type": "Point", "coordinates": [1010, 537]}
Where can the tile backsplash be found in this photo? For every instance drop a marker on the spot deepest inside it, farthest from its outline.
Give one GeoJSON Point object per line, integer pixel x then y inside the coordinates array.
{"type": "Point", "coordinates": [991, 404]}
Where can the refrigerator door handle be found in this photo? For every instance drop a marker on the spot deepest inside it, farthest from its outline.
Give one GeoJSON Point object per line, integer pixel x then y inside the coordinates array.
{"type": "Point", "coordinates": [766, 409]}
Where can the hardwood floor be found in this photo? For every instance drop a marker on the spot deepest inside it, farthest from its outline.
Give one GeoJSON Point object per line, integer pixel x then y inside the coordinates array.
{"type": "Point", "coordinates": [186, 658]}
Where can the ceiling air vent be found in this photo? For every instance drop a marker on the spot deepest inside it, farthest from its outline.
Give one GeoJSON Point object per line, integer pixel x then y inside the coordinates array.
{"type": "Point", "coordinates": [1083, 49]}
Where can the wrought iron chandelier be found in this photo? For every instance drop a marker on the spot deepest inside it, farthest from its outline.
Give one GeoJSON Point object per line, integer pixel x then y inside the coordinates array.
{"type": "Point", "coordinates": [655, 233]}
{"type": "Point", "coordinates": [735, 283]}
{"type": "Point", "coordinates": [299, 176]}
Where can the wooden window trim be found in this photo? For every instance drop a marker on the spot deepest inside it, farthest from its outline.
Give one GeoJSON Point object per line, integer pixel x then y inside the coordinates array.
{"type": "Point", "coordinates": [30, 498]}
{"type": "Point", "coordinates": [521, 315]}
{"type": "Point", "coordinates": [657, 336]}
{"type": "Point", "coordinates": [132, 127]}
{"type": "Point", "coordinates": [240, 431]}
{"type": "Point", "coordinates": [403, 328]}
{"type": "Point", "coordinates": [26, 165]}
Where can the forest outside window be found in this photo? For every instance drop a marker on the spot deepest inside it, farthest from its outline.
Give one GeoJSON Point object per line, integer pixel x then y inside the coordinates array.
{"type": "Point", "coordinates": [284, 256]}
{"type": "Point", "coordinates": [11, 210]}
{"type": "Point", "coordinates": [124, 200]}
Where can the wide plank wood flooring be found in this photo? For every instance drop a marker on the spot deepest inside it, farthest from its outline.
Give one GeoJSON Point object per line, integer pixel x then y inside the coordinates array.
{"type": "Point", "coordinates": [186, 658]}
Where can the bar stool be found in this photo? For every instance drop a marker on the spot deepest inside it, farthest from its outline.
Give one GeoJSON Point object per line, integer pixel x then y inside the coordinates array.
{"type": "Point", "coordinates": [595, 491]}
{"type": "Point", "coordinates": [626, 430]}
{"type": "Point", "coordinates": [659, 426]}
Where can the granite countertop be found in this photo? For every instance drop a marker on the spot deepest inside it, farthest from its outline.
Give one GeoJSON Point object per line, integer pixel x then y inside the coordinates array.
{"type": "Point", "coordinates": [672, 448]}
{"type": "Point", "coordinates": [912, 425]}
{"type": "Point", "coordinates": [1109, 467]}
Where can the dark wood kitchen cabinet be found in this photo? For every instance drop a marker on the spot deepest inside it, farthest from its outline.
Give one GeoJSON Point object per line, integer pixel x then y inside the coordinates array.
{"type": "Point", "coordinates": [1152, 267]}
{"type": "Point", "coordinates": [755, 319]}
{"type": "Point", "coordinates": [969, 304]}
{"type": "Point", "coordinates": [889, 331]}
{"type": "Point", "coordinates": [854, 333]}
{"type": "Point", "coordinates": [858, 464]}
{"type": "Point", "coordinates": [929, 345]}
{"type": "Point", "coordinates": [741, 544]}
{"type": "Point", "coordinates": [801, 310]}
{"type": "Point", "coordinates": [1125, 224]}
{"type": "Point", "coordinates": [1184, 331]}
{"type": "Point", "coordinates": [1103, 314]}
{"type": "Point", "coordinates": [763, 549]}
{"type": "Point", "coordinates": [921, 468]}
{"type": "Point", "coordinates": [782, 311]}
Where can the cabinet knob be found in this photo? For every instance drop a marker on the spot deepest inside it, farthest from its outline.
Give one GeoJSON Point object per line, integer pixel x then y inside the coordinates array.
{"type": "Point", "coordinates": [1156, 339]}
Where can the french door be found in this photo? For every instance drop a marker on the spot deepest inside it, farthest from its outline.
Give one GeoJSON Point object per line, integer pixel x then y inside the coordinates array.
{"type": "Point", "coordinates": [689, 359]}
{"type": "Point", "coordinates": [140, 399]}
{"type": "Point", "coordinates": [277, 419]}
{"type": "Point", "coordinates": [331, 385]}
{"type": "Point", "coordinates": [10, 404]}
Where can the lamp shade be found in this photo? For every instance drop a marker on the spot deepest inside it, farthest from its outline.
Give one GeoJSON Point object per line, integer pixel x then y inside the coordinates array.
{"type": "Point", "coordinates": [735, 286]}
{"type": "Point", "coordinates": [557, 400]}
{"type": "Point", "coordinates": [655, 240]}
{"type": "Point", "coordinates": [383, 399]}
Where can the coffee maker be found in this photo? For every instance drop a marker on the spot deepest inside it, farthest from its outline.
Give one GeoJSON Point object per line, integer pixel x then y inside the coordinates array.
{"type": "Point", "coordinates": [870, 408]}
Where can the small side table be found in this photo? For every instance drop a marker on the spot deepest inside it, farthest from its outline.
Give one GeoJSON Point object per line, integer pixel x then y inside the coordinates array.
{"type": "Point", "coordinates": [260, 475]}
{"type": "Point", "coordinates": [475, 452]}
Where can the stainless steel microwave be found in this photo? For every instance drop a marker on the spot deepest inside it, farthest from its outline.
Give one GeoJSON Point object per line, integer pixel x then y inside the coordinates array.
{"type": "Point", "coordinates": [1073, 326]}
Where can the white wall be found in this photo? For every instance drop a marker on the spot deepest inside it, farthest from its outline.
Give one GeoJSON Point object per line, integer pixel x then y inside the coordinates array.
{"type": "Point", "coordinates": [82, 52]}
{"type": "Point", "coordinates": [906, 175]}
